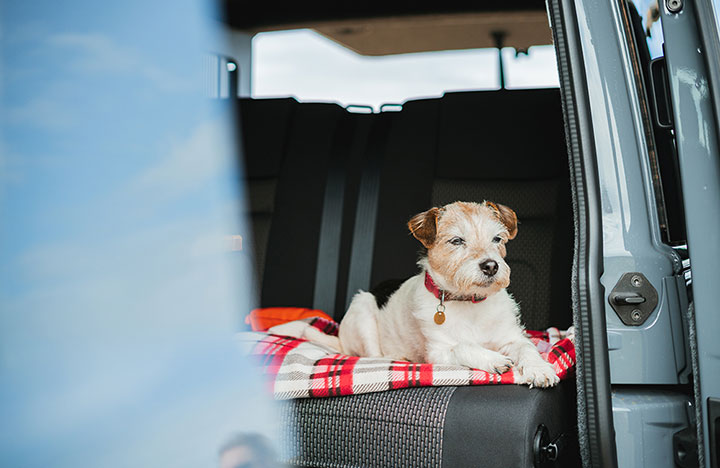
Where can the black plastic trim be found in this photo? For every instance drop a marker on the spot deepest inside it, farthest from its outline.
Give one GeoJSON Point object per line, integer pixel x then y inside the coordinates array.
{"type": "Point", "coordinates": [660, 88]}
{"type": "Point", "coordinates": [594, 392]}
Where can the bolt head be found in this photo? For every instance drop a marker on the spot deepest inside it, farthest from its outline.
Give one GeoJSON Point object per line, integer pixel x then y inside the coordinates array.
{"type": "Point", "coordinates": [674, 5]}
{"type": "Point", "coordinates": [636, 281]}
{"type": "Point", "coordinates": [636, 315]}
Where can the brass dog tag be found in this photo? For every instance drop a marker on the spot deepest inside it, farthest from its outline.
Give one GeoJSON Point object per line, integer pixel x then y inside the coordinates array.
{"type": "Point", "coordinates": [440, 311]}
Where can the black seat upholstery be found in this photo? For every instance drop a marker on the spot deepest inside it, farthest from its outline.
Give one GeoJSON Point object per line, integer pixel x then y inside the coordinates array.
{"type": "Point", "coordinates": [509, 147]}
{"type": "Point", "coordinates": [503, 146]}
{"type": "Point", "coordinates": [289, 149]}
{"type": "Point", "coordinates": [264, 129]}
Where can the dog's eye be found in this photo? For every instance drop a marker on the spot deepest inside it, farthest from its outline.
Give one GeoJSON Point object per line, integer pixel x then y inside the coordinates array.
{"type": "Point", "coordinates": [497, 239]}
{"type": "Point", "coordinates": [457, 241]}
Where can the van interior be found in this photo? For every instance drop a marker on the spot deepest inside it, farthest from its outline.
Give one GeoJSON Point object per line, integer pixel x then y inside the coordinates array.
{"type": "Point", "coordinates": [330, 191]}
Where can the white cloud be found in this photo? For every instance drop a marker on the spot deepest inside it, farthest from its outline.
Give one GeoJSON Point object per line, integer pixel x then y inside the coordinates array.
{"type": "Point", "coordinates": [46, 111]}
{"type": "Point", "coordinates": [196, 166]}
{"type": "Point", "coordinates": [54, 105]}
{"type": "Point", "coordinates": [98, 53]}
{"type": "Point", "coordinates": [205, 153]}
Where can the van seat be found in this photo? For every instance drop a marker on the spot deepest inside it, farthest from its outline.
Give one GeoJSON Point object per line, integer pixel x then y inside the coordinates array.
{"type": "Point", "coordinates": [504, 146]}
{"type": "Point", "coordinates": [288, 150]}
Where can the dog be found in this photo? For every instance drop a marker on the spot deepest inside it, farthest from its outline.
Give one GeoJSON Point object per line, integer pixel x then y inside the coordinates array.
{"type": "Point", "coordinates": [457, 309]}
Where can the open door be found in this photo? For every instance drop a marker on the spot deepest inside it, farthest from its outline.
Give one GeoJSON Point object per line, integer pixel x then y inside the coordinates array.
{"type": "Point", "coordinates": [692, 53]}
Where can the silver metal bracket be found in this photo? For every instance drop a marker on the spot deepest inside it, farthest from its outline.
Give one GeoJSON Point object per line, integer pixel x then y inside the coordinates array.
{"type": "Point", "coordinates": [633, 298]}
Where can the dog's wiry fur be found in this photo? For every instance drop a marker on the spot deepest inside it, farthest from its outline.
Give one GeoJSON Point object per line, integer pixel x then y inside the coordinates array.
{"type": "Point", "coordinates": [484, 335]}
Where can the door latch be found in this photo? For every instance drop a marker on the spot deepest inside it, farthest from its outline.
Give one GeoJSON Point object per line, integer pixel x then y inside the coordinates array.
{"type": "Point", "coordinates": [633, 298]}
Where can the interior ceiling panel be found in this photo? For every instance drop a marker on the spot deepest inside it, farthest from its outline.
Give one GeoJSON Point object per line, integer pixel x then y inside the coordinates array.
{"type": "Point", "coordinates": [385, 36]}
{"type": "Point", "coordinates": [397, 29]}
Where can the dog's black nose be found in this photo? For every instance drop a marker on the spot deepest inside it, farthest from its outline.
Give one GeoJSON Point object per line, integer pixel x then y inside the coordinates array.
{"type": "Point", "coordinates": [489, 267]}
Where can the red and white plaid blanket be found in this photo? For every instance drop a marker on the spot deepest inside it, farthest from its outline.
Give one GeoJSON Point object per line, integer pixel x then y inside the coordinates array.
{"type": "Point", "coordinates": [297, 368]}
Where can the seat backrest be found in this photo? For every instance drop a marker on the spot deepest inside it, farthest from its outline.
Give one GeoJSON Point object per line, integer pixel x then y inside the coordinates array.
{"type": "Point", "coordinates": [504, 146]}
{"type": "Point", "coordinates": [289, 151]}
{"type": "Point", "coordinates": [318, 177]}
{"type": "Point", "coordinates": [509, 147]}
{"type": "Point", "coordinates": [265, 125]}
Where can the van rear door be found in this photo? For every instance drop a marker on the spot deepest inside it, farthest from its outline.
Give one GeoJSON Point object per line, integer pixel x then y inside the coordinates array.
{"type": "Point", "coordinates": [692, 51]}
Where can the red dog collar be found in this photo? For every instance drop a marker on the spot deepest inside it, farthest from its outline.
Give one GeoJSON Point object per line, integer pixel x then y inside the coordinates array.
{"type": "Point", "coordinates": [437, 292]}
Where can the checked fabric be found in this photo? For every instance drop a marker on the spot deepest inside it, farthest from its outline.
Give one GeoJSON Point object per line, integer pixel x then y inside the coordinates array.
{"type": "Point", "coordinates": [297, 368]}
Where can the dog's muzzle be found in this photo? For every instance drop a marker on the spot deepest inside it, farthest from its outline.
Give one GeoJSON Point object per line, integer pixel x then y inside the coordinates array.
{"type": "Point", "coordinates": [489, 267]}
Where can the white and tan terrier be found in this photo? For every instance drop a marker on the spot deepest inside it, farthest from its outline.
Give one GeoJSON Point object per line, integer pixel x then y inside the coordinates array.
{"type": "Point", "coordinates": [456, 311]}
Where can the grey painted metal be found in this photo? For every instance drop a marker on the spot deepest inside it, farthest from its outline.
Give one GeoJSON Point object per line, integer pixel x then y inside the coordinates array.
{"type": "Point", "coordinates": [708, 18]}
{"type": "Point", "coordinates": [699, 157]}
{"type": "Point", "coordinates": [645, 421]}
{"type": "Point", "coordinates": [595, 434]}
{"type": "Point", "coordinates": [633, 348]}
{"type": "Point", "coordinates": [632, 239]}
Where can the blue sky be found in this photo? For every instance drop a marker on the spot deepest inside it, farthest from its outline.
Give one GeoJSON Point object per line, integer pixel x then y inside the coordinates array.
{"type": "Point", "coordinates": [118, 298]}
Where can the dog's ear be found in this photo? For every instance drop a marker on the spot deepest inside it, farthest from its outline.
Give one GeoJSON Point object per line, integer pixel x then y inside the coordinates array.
{"type": "Point", "coordinates": [507, 217]}
{"type": "Point", "coordinates": [424, 226]}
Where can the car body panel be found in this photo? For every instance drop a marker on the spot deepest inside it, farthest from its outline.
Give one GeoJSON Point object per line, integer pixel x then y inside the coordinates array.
{"type": "Point", "coordinates": [692, 94]}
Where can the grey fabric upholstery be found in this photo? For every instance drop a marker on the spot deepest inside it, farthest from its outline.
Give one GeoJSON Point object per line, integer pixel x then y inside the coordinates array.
{"type": "Point", "coordinates": [486, 426]}
{"type": "Point", "coordinates": [401, 428]}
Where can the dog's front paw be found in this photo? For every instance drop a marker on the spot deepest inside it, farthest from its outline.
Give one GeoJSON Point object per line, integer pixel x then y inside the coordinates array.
{"type": "Point", "coordinates": [540, 374]}
{"type": "Point", "coordinates": [495, 363]}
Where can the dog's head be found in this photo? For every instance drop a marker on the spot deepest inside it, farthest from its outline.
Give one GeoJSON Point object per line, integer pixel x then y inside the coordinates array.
{"type": "Point", "coordinates": [466, 245]}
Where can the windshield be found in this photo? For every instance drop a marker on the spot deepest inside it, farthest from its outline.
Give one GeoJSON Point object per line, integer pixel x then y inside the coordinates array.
{"type": "Point", "coordinates": [309, 66]}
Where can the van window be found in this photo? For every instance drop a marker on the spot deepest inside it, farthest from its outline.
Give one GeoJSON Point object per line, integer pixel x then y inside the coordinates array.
{"type": "Point", "coordinates": [307, 65]}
